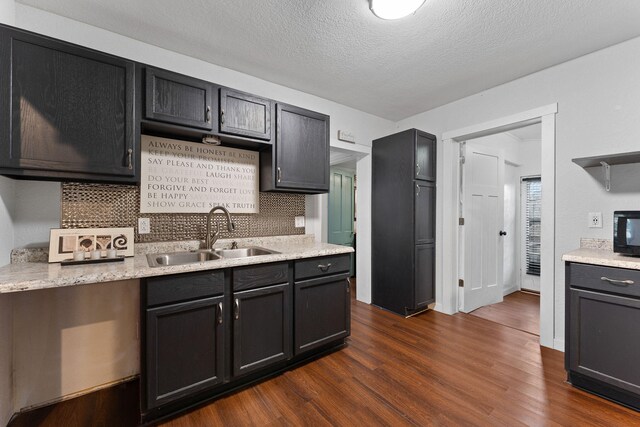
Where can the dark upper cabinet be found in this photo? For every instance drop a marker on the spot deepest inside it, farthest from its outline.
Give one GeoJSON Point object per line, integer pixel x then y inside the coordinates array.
{"type": "Point", "coordinates": [245, 115]}
{"type": "Point", "coordinates": [299, 161]}
{"type": "Point", "coordinates": [182, 358]}
{"type": "Point", "coordinates": [425, 155]}
{"type": "Point", "coordinates": [261, 328]}
{"type": "Point", "coordinates": [179, 99]}
{"type": "Point", "coordinates": [66, 112]}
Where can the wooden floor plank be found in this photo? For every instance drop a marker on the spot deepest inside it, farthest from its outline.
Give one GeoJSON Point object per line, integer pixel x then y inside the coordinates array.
{"type": "Point", "coordinates": [519, 310]}
{"type": "Point", "coordinates": [430, 369]}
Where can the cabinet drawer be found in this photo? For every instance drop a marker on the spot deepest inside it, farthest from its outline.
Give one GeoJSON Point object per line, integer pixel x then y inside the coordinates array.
{"type": "Point", "coordinates": [171, 289]}
{"type": "Point", "coordinates": [257, 276]}
{"type": "Point", "coordinates": [588, 276]}
{"type": "Point", "coordinates": [322, 266]}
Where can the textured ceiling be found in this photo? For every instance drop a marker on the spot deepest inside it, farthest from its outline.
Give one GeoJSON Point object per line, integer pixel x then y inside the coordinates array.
{"type": "Point", "coordinates": [339, 50]}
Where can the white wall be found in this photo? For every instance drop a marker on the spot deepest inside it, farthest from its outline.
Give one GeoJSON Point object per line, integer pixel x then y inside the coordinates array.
{"type": "Point", "coordinates": [68, 340]}
{"type": "Point", "coordinates": [7, 212]}
{"type": "Point", "coordinates": [6, 359]}
{"type": "Point", "coordinates": [598, 112]}
{"type": "Point", "coordinates": [37, 210]}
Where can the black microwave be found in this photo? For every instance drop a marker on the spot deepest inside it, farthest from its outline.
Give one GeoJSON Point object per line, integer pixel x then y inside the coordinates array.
{"type": "Point", "coordinates": [626, 232]}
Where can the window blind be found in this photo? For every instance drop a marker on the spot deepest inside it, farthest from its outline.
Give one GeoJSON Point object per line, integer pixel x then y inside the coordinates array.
{"type": "Point", "coordinates": [532, 225]}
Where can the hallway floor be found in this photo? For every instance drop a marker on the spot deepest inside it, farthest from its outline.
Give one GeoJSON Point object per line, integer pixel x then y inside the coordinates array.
{"type": "Point", "coordinates": [519, 310]}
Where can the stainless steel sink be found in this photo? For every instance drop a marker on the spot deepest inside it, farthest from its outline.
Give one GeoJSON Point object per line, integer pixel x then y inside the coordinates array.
{"type": "Point", "coordinates": [180, 258]}
{"type": "Point", "coordinates": [244, 252]}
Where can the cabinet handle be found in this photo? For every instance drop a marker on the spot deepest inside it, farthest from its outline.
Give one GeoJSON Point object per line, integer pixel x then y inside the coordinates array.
{"type": "Point", "coordinates": [219, 313]}
{"type": "Point", "coordinates": [221, 117]}
{"type": "Point", "coordinates": [236, 309]}
{"type": "Point", "coordinates": [130, 154]}
{"type": "Point", "coordinates": [208, 114]}
{"type": "Point", "coordinates": [618, 282]}
{"type": "Point", "coordinates": [324, 267]}
{"type": "Point", "coordinates": [279, 174]}
{"type": "Point", "coordinates": [417, 168]}
{"type": "Point", "coordinates": [417, 190]}
{"type": "Point", "coordinates": [348, 285]}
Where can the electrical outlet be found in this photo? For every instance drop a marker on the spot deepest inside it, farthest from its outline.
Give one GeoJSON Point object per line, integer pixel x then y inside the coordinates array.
{"type": "Point", "coordinates": [595, 219]}
{"type": "Point", "coordinates": [144, 225]}
{"type": "Point", "coordinates": [299, 221]}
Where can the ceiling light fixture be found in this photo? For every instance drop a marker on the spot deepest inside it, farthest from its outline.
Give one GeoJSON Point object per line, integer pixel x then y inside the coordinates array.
{"type": "Point", "coordinates": [394, 9]}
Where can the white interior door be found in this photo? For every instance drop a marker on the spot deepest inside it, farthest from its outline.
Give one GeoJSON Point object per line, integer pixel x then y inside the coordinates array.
{"type": "Point", "coordinates": [483, 212]}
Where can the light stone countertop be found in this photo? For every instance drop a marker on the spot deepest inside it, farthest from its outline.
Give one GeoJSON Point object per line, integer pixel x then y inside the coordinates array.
{"type": "Point", "coordinates": [41, 275]}
{"type": "Point", "coordinates": [606, 258]}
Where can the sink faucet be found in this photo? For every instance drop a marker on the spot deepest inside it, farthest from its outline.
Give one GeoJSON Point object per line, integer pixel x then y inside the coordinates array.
{"type": "Point", "coordinates": [211, 238]}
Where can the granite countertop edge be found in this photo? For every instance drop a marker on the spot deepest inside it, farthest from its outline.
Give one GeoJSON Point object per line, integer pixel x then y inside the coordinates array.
{"type": "Point", "coordinates": [40, 275]}
{"type": "Point", "coordinates": [602, 257]}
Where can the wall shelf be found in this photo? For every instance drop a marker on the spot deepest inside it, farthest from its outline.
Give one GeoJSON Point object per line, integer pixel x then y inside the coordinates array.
{"type": "Point", "coordinates": [606, 161]}
{"type": "Point", "coordinates": [610, 159]}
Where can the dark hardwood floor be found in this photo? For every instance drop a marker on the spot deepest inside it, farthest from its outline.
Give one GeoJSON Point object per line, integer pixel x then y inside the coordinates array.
{"type": "Point", "coordinates": [519, 310]}
{"type": "Point", "coordinates": [430, 369]}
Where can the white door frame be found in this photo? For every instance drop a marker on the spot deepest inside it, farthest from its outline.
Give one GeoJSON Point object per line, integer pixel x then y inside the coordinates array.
{"type": "Point", "coordinates": [448, 250]}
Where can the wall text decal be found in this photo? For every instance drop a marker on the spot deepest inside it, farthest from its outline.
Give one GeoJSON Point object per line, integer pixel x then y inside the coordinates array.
{"type": "Point", "coordinates": [190, 177]}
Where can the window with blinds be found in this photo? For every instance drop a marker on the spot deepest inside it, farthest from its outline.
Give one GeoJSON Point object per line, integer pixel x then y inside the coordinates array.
{"type": "Point", "coordinates": [533, 190]}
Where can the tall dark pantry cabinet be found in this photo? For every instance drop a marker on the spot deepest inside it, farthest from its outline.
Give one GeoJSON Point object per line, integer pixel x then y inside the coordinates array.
{"type": "Point", "coordinates": [403, 214]}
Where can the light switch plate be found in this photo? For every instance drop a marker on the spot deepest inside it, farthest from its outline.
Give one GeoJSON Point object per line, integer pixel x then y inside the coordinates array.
{"type": "Point", "coordinates": [144, 225]}
{"type": "Point", "coordinates": [299, 221]}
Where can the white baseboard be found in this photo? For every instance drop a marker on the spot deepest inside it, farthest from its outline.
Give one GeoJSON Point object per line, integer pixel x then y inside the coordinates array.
{"type": "Point", "coordinates": [558, 344]}
{"type": "Point", "coordinates": [508, 291]}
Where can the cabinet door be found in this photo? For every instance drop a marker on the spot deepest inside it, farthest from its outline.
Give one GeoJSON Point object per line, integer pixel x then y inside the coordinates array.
{"type": "Point", "coordinates": [184, 349]}
{"type": "Point", "coordinates": [605, 339]}
{"type": "Point", "coordinates": [178, 99]}
{"type": "Point", "coordinates": [322, 312]}
{"type": "Point", "coordinates": [244, 114]}
{"type": "Point", "coordinates": [425, 157]}
{"type": "Point", "coordinates": [425, 212]}
{"type": "Point", "coordinates": [261, 328]}
{"type": "Point", "coordinates": [302, 149]}
{"type": "Point", "coordinates": [424, 276]}
{"type": "Point", "coordinates": [65, 111]}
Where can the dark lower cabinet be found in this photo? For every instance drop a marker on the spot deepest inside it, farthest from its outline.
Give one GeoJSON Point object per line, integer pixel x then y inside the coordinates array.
{"type": "Point", "coordinates": [183, 359]}
{"type": "Point", "coordinates": [603, 340]}
{"type": "Point", "coordinates": [261, 328]}
{"type": "Point", "coordinates": [207, 333]}
{"type": "Point", "coordinates": [322, 312]}
{"type": "Point", "coordinates": [183, 346]}
{"type": "Point", "coordinates": [425, 275]}
{"type": "Point", "coordinates": [66, 112]}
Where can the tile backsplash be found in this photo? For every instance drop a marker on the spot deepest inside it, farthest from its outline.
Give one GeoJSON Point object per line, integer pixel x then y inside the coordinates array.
{"type": "Point", "coordinates": [114, 205]}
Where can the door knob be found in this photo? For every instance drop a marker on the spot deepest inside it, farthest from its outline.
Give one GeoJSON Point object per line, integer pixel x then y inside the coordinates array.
{"type": "Point", "coordinates": [503, 233]}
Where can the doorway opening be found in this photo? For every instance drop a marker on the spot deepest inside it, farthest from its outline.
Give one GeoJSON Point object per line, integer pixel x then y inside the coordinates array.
{"type": "Point", "coordinates": [448, 251]}
{"type": "Point", "coordinates": [341, 205]}
{"type": "Point", "coordinates": [501, 205]}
